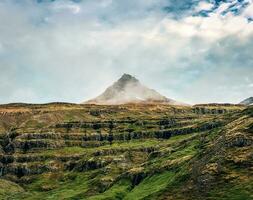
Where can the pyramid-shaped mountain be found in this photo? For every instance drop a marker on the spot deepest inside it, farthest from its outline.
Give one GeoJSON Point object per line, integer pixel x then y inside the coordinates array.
{"type": "Point", "coordinates": [128, 89]}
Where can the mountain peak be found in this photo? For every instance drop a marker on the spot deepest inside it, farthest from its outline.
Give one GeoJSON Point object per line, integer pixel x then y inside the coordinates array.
{"type": "Point", "coordinates": [125, 80]}
{"type": "Point", "coordinates": [127, 77]}
{"type": "Point", "coordinates": [128, 89]}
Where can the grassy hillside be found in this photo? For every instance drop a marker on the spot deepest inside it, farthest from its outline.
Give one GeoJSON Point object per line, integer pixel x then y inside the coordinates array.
{"type": "Point", "coordinates": [135, 151]}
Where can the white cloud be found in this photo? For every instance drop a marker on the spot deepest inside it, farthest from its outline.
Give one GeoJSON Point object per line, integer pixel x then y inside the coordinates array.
{"type": "Point", "coordinates": [62, 7]}
{"type": "Point", "coordinates": [224, 6]}
{"type": "Point", "coordinates": [66, 51]}
{"type": "Point", "coordinates": [248, 12]}
{"type": "Point", "coordinates": [204, 6]}
{"type": "Point", "coordinates": [211, 28]}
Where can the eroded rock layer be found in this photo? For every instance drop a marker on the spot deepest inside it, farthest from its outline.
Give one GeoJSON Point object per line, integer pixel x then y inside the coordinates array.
{"type": "Point", "coordinates": [70, 151]}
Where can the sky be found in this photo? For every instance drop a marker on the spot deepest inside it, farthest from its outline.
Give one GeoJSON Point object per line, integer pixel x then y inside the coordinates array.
{"type": "Point", "coordinates": [194, 51]}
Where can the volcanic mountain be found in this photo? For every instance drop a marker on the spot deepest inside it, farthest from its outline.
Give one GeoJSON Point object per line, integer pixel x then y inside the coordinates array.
{"type": "Point", "coordinates": [248, 101]}
{"type": "Point", "coordinates": [128, 89]}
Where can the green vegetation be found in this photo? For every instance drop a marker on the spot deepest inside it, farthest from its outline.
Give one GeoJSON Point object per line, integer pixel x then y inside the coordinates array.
{"type": "Point", "coordinates": [151, 185]}
{"type": "Point", "coordinates": [8, 188]}
{"type": "Point", "coordinates": [135, 151]}
{"type": "Point", "coordinates": [233, 192]}
{"type": "Point", "coordinates": [117, 191]}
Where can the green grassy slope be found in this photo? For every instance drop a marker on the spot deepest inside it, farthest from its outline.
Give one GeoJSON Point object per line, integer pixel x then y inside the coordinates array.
{"type": "Point", "coordinates": [68, 151]}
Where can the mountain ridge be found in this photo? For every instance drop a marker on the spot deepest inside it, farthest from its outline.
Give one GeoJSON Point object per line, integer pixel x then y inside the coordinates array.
{"type": "Point", "coordinates": [248, 101]}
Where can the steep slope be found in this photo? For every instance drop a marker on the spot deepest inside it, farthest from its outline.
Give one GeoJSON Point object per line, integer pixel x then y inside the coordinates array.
{"type": "Point", "coordinates": [134, 151]}
{"type": "Point", "coordinates": [129, 90]}
{"type": "Point", "coordinates": [248, 101]}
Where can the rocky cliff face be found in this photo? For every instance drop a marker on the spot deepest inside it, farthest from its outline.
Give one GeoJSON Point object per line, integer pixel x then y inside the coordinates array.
{"type": "Point", "coordinates": [70, 151]}
{"type": "Point", "coordinates": [129, 90]}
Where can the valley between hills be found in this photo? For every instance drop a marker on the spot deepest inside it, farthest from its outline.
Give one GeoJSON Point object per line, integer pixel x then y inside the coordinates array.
{"type": "Point", "coordinates": [131, 151]}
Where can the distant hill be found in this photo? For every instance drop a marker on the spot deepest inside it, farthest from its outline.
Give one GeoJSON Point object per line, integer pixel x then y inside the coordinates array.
{"type": "Point", "coordinates": [128, 89]}
{"type": "Point", "coordinates": [248, 101]}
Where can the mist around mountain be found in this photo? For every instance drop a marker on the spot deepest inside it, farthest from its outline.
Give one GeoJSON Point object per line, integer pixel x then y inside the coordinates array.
{"type": "Point", "coordinates": [128, 89]}
{"type": "Point", "coordinates": [248, 101]}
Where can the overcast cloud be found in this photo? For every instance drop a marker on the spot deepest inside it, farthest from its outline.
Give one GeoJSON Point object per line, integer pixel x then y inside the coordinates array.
{"type": "Point", "coordinates": [193, 51]}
